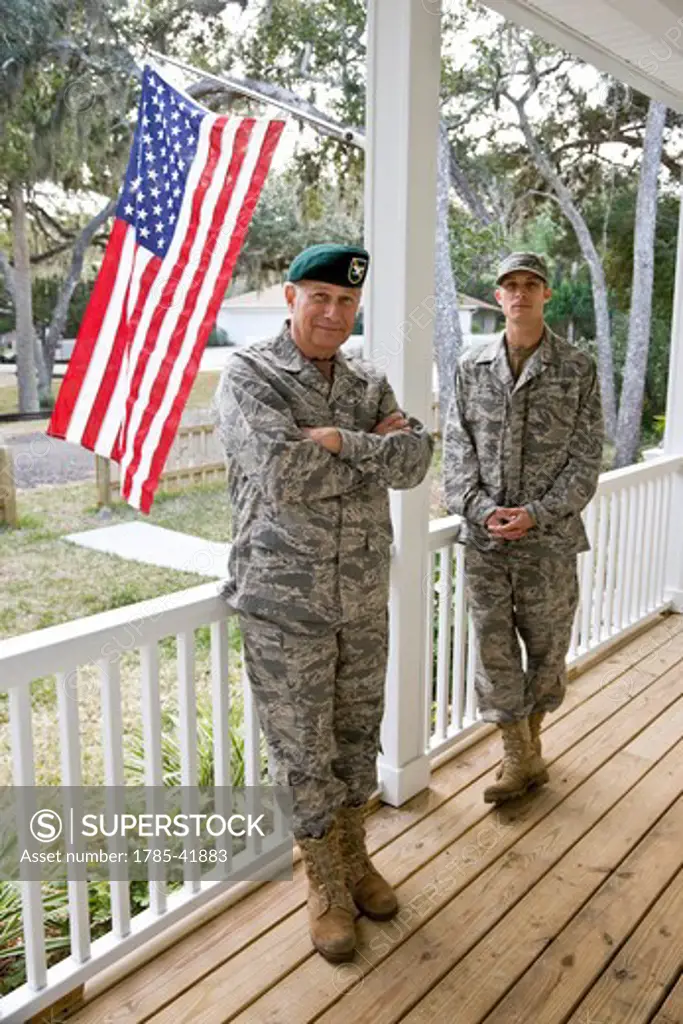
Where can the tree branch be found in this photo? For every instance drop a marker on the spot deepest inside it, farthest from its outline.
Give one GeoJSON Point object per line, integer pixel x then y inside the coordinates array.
{"type": "Point", "coordinates": [59, 314]}
{"type": "Point", "coordinates": [462, 186]}
{"type": "Point", "coordinates": [42, 215]}
{"type": "Point", "coordinates": [269, 90]}
{"type": "Point", "coordinates": [45, 257]}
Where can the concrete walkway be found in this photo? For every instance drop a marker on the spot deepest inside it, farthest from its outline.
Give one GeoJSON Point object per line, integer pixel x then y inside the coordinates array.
{"type": "Point", "coordinates": [155, 545]}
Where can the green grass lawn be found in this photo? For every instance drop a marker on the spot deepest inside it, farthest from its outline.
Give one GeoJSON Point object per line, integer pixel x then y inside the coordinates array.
{"type": "Point", "coordinates": [8, 394]}
{"type": "Point", "coordinates": [45, 580]}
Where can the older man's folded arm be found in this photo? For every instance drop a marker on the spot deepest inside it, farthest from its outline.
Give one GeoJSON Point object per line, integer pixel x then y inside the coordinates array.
{"type": "Point", "coordinates": [259, 433]}
{"type": "Point", "coordinates": [399, 459]}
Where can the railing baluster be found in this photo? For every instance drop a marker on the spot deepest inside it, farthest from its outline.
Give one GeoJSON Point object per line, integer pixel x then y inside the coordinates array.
{"type": "Point", "coordinates": [459, 641]}
{"type": "Point", "coordinates": [23, 774]}
{"type": "Point", "coordinates": [666, 512]}
{"type": "Point", "coordinates": [622, 563]}
{"type": "Point", "coordinates": [657, 530]}
{"type": "Point", "coordinates": [187, 715]}
{"type": "Point", "coordinates": [633, 554]}
{"type": "Point", "coordinates": [72, 778]}
{"type": "Point", "coordinates": [444, 641]}
{"type": "Point", "coordinates": [222, 747]}
{"type": "Point", "coordinates": [599, 589]}
{"type": "Point", "coordinates": [628, 557]}
{"type": "Point", "coordinates": [638, 545]}
{"type": "Point", "coordinates": [610, 603]}
{"type": "Point", "coordinates": [151, 714]}
{"type": "Point", "coordinates": [644, 544]}
{"type": "Point", "coordinates": [154, 773]}
{"type": "Point", "coordinates": [470, 692]}
{"type": "Point", "coordinates": [650, 544]}
{"type": "Point", "coordinates": [587, 580]}
{"type": "Point", "coordinates": [112, 743]}
{"type": "Point", "coordinates": [429, 652]}
{"type": "Point", "coordinates": [252, 759]}
{"type": "Point", "coordinates": [574, 641]}
{"type": "Point", "coordinates": [187, 709]}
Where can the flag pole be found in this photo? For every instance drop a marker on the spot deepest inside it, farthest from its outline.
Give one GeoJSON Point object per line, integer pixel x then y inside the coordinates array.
{"type": "Point", "coordinates": [347, 135]}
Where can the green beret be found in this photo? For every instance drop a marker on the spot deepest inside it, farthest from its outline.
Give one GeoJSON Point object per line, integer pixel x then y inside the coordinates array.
{"type": "Point", "coordinates": [530, 261]}
{"type": "Point", "coordinates": [345, 265]}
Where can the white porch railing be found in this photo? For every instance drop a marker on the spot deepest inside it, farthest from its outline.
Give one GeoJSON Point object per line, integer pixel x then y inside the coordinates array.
{"type": "Point", "coordinates": [101, 641]}
{"type": "Point", "coordinates": [622, 584]}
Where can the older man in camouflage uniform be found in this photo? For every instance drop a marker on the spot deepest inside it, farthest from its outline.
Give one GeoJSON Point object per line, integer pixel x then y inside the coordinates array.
{"type": "Point", "coordinates": [313, 443]}
{"type": "Point", "coordinates": [523, 447]}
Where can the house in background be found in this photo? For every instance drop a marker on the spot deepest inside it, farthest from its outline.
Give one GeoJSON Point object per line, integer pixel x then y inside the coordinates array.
{"type": "Point", "coordinates": [253, 316]}
{"type": "Point", "coordinates": [478, 317]}
{"type": "Point", "coordinates": [256, 315]}
{"type": "Point", "coordinates": [8, 348]}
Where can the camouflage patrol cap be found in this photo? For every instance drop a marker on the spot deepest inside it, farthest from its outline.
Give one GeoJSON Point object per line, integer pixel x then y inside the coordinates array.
{"type": "Point", "coordinates": [344, 265]}
{"type": "Point", "coordinates": [530, 261]}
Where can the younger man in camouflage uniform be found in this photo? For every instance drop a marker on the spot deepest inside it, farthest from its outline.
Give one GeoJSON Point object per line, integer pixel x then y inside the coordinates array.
{"type": "Point", "coordinates": [313, 443]}
{"type": "Point", "coordinates": [522, 454]}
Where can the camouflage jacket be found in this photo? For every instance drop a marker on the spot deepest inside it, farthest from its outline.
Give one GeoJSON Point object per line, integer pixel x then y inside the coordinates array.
{"type": "Point", "coordinates": [311, 530]}
{"type": "Point", "coordinates": [536, 442]}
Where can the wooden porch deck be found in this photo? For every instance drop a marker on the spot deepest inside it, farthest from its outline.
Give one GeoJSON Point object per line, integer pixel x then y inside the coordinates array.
{"type": "Point", "coordinates": [567, 906]}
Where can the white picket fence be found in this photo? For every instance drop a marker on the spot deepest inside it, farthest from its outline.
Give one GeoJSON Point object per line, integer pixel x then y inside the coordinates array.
{"type": "Point", "coordinates": [196, 457]}
{"type": "Point", "coordinates": [622, 584]}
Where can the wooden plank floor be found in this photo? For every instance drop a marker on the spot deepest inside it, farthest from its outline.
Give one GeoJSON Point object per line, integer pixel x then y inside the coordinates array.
{"type": "Point", "coordinates": [564, 907]}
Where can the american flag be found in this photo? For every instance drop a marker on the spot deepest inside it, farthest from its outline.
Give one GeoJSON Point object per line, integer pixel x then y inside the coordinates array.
{"type": "Point", "coordinates": [192, 183]}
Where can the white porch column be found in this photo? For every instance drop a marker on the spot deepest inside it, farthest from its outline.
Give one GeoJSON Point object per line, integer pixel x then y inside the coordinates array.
{"type": "Point", "coordinates": [673, 434]}
{"type": "Point", "coordinates": [400, 223]}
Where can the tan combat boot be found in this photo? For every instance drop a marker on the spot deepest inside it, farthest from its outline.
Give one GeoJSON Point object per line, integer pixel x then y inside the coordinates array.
{"type": "Point", "coordinates": [371, 893]}
{"type": "Point", "coordinates": [540, 772]}
{"type": "Point", "coordinates": [519, 763]}
{"type": "Point", "coordinates": [331, 911]}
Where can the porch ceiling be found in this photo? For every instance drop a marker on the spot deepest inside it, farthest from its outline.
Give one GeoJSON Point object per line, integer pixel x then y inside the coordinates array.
{"type": "Point", "coordinates": [639, 43]}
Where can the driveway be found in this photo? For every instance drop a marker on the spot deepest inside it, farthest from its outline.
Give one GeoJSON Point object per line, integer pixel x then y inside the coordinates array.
{"type": "Point", "coordinates": [39, 459]}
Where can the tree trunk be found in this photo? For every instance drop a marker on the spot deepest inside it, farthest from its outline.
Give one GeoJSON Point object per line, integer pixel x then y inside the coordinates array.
{"type": "Point", "coordinates": [448, 338]}
{"type": "Point", "coordinates": [464, 189]}
{"type": "Point", "coordinates": [44, 384]}
{"type": "Point", "coordinates": [592, 258]}
{"type": "Point", "coordinates": [55, 331]}
{"type": "Point", "coordinates": [635, 367]}
{"type": "Point", "coordinates": [27, 384]}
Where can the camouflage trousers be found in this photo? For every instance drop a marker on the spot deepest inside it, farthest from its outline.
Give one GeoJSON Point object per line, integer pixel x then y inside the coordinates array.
{"type": "Point", "coordinates": [320, 700]}
{"type": "Point", "coordinates": [519, 596]}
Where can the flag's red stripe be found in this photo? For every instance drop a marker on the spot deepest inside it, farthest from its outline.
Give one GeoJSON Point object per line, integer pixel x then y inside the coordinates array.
{"type": "Point", "coordinates": [113, 368]}
{"type": "Point", "coordinates": [168, 294]}
{"type": "Point", "coordinates": [239, 148]}
{"type": "Point", "coordinates": [88, 332]}
{"type": "Point", "coordinates": [172, 422]}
